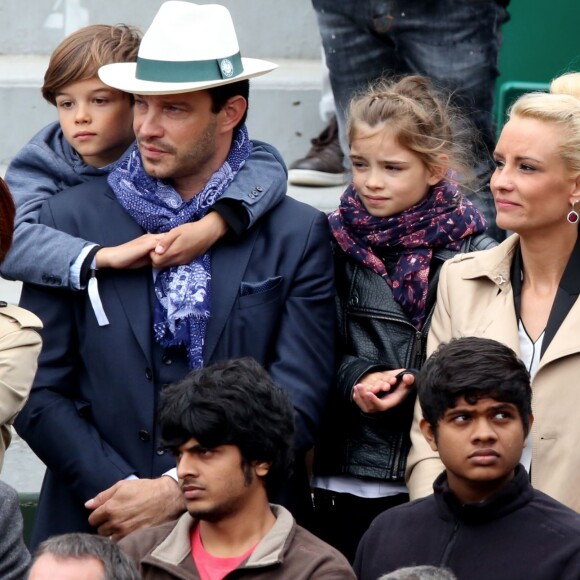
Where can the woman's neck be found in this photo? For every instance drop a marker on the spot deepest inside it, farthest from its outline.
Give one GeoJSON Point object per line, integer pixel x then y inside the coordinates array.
{"type": "Point", "coordinates": [545, 257]}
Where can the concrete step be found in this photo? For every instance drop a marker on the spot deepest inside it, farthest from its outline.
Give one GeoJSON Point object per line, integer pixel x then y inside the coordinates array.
{"type": "Point", "coordinates": [326, 199]}
{"type": "Point", "coordinates": [22, 469]}
{"type": "Point", "coordinates": [264, 29]}
{"type": "Point", "coordinates": [283, 104]}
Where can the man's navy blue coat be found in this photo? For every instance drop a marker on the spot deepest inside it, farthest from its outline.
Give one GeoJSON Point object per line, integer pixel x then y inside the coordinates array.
{"type": "Point", "coordinates": [91, 416]}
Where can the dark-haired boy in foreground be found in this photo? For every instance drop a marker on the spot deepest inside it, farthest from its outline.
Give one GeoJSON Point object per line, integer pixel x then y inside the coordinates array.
{"type": "Point", "coordinates": [485, 520]}
{"type": "Point", "coordinates": [231, 431]}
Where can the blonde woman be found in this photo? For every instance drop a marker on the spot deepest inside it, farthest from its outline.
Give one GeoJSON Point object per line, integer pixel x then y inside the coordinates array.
{"type": "Point", "coordinates": [19, 349]}
{"type": "Point", "coordinates": [19, 340]}
{"type": "Point", "coordinates": [568, 84]}
{"type": "Point", "coordinates": [524, 292]}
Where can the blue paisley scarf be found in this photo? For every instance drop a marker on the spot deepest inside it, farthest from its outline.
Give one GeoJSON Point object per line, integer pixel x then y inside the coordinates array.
{"type": "Point", "coordinates": [183, 293]}
{"type": "Point", "coordinates": [441, 220]}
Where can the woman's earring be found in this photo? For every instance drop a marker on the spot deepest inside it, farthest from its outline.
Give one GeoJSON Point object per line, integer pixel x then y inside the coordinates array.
{"type": "Point", "coordinates": [573, 216]}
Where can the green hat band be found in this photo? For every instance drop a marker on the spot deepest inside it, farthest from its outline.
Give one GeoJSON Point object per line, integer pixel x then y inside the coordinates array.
{"type": "Point", "coordinates": [169, 71]}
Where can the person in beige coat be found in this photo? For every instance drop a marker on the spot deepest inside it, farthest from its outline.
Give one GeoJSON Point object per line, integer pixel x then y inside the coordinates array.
{"type": "Point", "coordinates": [524, 292]}
{"type": "Point", "coordinates": [20, 342]}
{"type": "Point", "coordinates": [19, 349]}
{"type": "Point", "coordinates": [20, 346]}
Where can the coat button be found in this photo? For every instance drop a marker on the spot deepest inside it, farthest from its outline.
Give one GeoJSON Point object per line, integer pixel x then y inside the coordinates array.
{"type": "Point", "coordinates": [144, 435]}
{"type": "Point", "coordinates": [259, 188]}
{"type": "Point", "coordinates": [166, 359]}
{"type": "Point", "coordinates": [354, 301]}
{"type": "Point", "coordinates": [148, 374]}
{"type": "Point", "coordinates": [160, 451]}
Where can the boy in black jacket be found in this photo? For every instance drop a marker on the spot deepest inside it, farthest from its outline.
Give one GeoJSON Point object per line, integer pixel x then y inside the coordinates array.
{"type": "Point", "coordinates": [484, 520]}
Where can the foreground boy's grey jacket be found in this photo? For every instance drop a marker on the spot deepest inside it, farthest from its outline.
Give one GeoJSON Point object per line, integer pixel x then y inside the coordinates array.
{"type": "Point", "coordinates": [287, 552]}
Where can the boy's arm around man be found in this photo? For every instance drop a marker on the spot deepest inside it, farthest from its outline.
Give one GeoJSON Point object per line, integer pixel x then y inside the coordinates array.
{"type": "Point", "coordinates": [48, 164]}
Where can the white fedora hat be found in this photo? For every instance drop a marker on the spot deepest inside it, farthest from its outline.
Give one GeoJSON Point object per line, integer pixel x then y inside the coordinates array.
{"type": "Point", "coordinates": [188, 47]}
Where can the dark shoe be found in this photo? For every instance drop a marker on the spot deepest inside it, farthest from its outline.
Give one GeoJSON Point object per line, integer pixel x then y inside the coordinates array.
{"type": "Point", "coordinates": [323, 163]}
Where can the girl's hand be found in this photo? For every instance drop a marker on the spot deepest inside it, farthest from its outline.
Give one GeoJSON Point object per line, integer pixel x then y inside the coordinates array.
{"type": "Point", "coordinates": [374, 393]}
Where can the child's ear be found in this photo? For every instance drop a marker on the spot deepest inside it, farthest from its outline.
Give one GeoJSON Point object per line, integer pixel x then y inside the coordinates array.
{"type": "Point", "coordinates": [437, 172]}
{"type": "Point", "coordinates": [428, 433]}
{"type": "Point", "coordinates": [527, 438]}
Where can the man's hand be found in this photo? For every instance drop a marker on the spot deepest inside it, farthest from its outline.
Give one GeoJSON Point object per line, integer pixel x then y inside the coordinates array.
{"type": "Point", "coordinates": [133, 254]}
{"type": "Point", "coordinates": [364, 394]}
{"type": "Point", "coordinates": [183, 244]}
{"type": "Point", "coordinates": [130, 505]}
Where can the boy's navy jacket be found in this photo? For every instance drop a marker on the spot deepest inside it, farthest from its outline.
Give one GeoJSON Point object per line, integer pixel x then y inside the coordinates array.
{"type": "Point", "coordinates": [518, 534]}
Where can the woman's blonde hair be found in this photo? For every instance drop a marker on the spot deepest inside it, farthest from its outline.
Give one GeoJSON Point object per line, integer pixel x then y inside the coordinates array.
{"type": "Point", "coordinates": [566, 84]}
{"type": "Point", "coordinates": [422, 120]}
{"type": "Point", "coordinates": [562, 110]}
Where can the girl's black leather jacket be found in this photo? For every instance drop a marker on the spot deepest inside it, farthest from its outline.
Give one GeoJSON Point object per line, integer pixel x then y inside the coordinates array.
{"type": "Point", "coordinates": [374, 334]}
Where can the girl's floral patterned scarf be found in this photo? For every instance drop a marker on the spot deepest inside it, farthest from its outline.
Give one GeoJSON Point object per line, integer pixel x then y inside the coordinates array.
{"type": "Point", "coordinates": [442, 220]}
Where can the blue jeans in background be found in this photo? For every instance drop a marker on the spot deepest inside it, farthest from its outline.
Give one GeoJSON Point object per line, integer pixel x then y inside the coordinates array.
{"type": "Point", "coordinates": [455, 43]}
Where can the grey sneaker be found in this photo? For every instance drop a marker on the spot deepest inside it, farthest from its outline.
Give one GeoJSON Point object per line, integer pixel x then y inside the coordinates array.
{"type": "Point", "coordinates": [322, 165]}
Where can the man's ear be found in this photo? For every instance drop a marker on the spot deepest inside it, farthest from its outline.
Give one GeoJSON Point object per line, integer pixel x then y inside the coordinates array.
{"type": "Point", "coordinates": [232, 112]}
{"type": "Point", "coordinates": [262, 468]}
{"type": "Point", "coordinates": [428, 433]}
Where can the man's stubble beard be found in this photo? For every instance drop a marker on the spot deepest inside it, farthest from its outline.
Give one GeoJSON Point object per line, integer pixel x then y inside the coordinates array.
{"type": "Point", "coordinates": [225, 509]}
{"type": "Point", "coordinates": [194, 162]}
